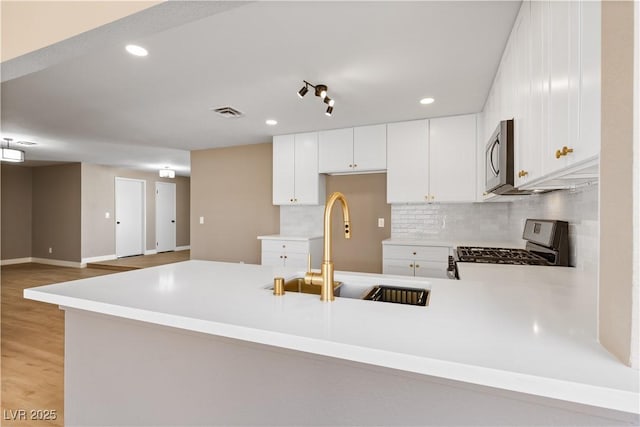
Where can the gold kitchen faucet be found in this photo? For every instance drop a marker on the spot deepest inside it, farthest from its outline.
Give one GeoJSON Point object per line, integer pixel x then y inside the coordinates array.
{"type": "Point", "coordinates": [325, 277]}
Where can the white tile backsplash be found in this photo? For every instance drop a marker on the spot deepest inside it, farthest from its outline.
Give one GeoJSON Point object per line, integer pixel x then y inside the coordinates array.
{"type": "Point", "coordinates": [302, 220]}
{"type": "Point", "coordinates": [505, 221]}
{"type": "Point", "coordinates": [477, 222]}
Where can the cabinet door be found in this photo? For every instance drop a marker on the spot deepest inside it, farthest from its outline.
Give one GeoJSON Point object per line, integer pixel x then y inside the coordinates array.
{"type": "Point", "coordinates": [526, 152]}
{"type": "Point", "coordinates": [407, 161]}
{"type": "Point", "coordinates": [275, 259]}
{"type": "Point", "coordinates": [295, 260]}
{"type": "Point", "coordinates": [307, 179]}
{"type": "Point", "coordinates": [335, 148]}
{"type": "Point", "coordinates": [398, 267]}
{"type": "Point", "coordinates": [590, 48]}
{"type": "Point", "coordinates": [431, 269]}
{"type": "Point", "coordinates": [283, 169]}
{"type": "Point", "coordinates": [538, 103]}
{"type": "Point", "coordinates": [452, 159]}
{"type": "Point", "coordinates": [564, 94]}
{"type": "Point", "coordinates": [370, 148]}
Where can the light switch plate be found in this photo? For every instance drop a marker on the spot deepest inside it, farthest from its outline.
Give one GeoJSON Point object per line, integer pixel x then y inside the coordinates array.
{"type": "Point", "coordinates": [107, 215]}
{"type": "Point", "coordinates": [381, 222]}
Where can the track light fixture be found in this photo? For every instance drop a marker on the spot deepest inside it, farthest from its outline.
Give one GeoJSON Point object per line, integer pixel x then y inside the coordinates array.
{"type": "Point", "coordinates": [321, 91]}
{"type": "Point", "coordinates": [11, 154]}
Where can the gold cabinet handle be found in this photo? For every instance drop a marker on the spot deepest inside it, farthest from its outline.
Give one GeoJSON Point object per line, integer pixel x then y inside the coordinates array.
{"type": "Point", "coordinates": [565, 150]}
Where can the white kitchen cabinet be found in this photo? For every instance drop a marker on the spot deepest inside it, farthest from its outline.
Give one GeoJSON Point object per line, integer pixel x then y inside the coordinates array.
{"type": "Point", "coordinates": [296, 180]}
{"type": "Point", "coordinates": [452, 159]}
{"type": "Point", "coordinates": [370, 148]}
{"type": "Point", "coordinates": [415, 260]}
{"type": "Point", "coordinates": [552, 66]}
{"type": "Point", "coordinates": [360, 149]}
{"type": "Point", "coordinates": [408, 161]}
{"type": "Point", "coordinates": [291, 252]}
{"type": "Point", "coordinates": [432, 160]}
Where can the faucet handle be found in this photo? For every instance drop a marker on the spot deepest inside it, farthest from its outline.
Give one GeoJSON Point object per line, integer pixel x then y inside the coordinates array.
{"type": "Point", "coordinates": [308, 262]}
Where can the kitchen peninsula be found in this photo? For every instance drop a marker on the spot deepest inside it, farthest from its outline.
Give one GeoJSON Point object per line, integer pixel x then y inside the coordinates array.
{"type": "Point", "coordinates": [207, 343]}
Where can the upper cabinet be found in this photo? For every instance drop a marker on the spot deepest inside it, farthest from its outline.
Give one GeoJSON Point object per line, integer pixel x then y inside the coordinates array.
{"type": "Point", "coordinates": [360, 149]}
{"type": "Point", "coordinates": [452, 159]}
{"type": "Point", "coordinates": [432, 160]}
{"type": "Point", "coordinates": [408, 162]}
{"type": "Point", "coordinates": [548, 81]}
{"type": "Point", "coordinates": [296, 180]}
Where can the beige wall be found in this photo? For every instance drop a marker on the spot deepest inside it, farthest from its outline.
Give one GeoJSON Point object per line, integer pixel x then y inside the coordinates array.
{"type": "Point", "coordinates": [616, 180]}
{"type": "Point", "coordinates": [98, 197]}
{"type": "Point", "coordinates": [16, 211]}
{"type": "Point", "coordinates": [56, 212]}
{"type": "Point", "coordinates": [31, 25]}
{"type": "Point", "coordinates": [231, 188]}
{"type": "Point", "coordinates": [367, 198]}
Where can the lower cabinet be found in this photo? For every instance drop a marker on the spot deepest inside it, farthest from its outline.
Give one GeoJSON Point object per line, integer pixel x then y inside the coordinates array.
{"type": "Point", "coordinates": [291, 252]}
{"type": "Point", "coordinates": [415, 260]}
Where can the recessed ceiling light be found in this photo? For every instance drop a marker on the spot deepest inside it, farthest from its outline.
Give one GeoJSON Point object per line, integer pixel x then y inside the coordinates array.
{"type": "Point", "coordinates": [271, 122]}
{"type": "Point", "coordinates": [136, 50]}
{"type": "Point", "coordinates": [426, 101]}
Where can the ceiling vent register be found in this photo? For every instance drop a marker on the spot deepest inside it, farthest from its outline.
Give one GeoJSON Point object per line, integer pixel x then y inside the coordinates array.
{"type": "Point", "coordinates": [228, 112]}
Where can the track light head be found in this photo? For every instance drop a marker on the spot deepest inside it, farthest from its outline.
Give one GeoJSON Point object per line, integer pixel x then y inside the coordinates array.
{"type": "Point", "coordinates": [302, 92]}
{"type": "Point", "coordinates": [321, 91]}
{"type": "Point", "coordinates": [329, 101]}
{"type": "Point", "coordinates": [329, 111]}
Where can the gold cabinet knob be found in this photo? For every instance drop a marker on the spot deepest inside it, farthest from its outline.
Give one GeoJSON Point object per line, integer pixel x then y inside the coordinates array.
{"type": "Point", "coordinates": [417, 265]}
{"type": "Point", "coordinates": [350, 166]}
{"type": "Point", "coordinates": [565, 150]}
{"type": "Point", "coordinates": [355, 165]}
{"type": "Point", "coordinates": [291, 200]}
{"type": "Point", "coordinates": [411, 265]}
{"type": "Point", "coordinates": [522, 173]}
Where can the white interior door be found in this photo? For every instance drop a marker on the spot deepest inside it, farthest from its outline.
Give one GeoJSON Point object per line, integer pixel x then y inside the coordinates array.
{"type": "Point", "coordinates": [130, 211]}
{"type": "Point", "coordinates": [165, 216]}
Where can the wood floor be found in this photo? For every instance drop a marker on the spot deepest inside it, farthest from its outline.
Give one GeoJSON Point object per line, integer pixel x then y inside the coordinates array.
{"type": "Point", "coordinates": [32, 340]}
{"type": "Point", "coordinates": [142, 261]}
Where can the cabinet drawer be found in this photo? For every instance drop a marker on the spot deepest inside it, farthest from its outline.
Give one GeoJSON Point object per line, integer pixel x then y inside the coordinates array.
{"type": "Point", "coordinates": [431, 269]}
{"type": "Point", "coordinates": [427, 253]}
{"type": "Point", "coordinates": [288, 246]}
{"type": "Point", "coordinates": [398, 267]}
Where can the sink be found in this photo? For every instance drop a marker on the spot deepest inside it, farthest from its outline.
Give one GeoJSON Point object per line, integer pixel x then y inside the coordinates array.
{"type": "Point", "coordinates": [377, 287]}
{"type": "Point", "coordinates": [297, 285]}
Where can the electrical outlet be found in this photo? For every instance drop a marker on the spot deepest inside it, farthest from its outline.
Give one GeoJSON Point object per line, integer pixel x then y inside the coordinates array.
{"type": "Point", "coordinates": [50, 250]}
{"type": "Point", "coordinates": [201, 220]}
{"type": "Point", "coordinates": [381, 222]}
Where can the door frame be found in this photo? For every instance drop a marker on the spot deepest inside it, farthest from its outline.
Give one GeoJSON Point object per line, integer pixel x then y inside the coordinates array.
{"type": "Point", "coordinates": [144, 213]}
{"type": "Point", "coordinates": [175, 209]}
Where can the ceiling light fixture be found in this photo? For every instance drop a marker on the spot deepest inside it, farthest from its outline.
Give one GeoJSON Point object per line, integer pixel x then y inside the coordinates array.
{"type": "Point", "coordinates": [167, 173]}
{"type": "Point", "coordinates": [271, 122]}
{"type": "Point", "coordinates": [11, 154]}
{"type": "Point", "coordinates": [136, 50]}
{"type": "Point", "coordinates": [321, 91]}
{"type": "Point", "coordinates": [426, 101]}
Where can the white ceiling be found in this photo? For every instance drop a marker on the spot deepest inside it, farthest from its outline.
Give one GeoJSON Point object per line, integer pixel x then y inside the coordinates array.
{"type": "Point", "coordinates": [378, 59]}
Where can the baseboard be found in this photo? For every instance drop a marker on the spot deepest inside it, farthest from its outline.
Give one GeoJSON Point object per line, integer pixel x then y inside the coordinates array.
{"type": "Point", "coordinates": [150, 252]}
{"type": "Point", "coordinates": [183, 248]}
{"type": "Point", "coordinates": [57, 262]}
{"type": "Point", "coordinates": [100, 258]}
{"type": "Point", "coordinates": [15, 261]}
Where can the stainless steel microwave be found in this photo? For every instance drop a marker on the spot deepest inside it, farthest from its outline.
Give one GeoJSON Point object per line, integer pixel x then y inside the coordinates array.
{"type": "Point", "coordinates": [499, 176]}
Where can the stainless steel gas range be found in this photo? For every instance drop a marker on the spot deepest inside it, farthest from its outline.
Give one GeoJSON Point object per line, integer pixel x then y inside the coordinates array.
{"type": "Point", "coordinates": [547, 244]}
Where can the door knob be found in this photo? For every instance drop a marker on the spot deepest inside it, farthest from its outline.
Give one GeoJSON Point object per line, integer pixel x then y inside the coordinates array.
{"type": "Point", "coordinates": [117, 222]}
{"type": "Point", "coordinates": [173, 220]}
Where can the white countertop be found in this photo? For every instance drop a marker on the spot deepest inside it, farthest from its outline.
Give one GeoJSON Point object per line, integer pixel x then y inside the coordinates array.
{"type": "Point", "coordinates": [528, 329]}
{"type": "Point", "coordinates": [453, 243]}
{"type": "Point", "coordinates": [284, 237]}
